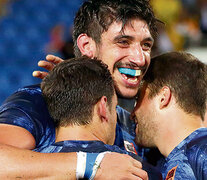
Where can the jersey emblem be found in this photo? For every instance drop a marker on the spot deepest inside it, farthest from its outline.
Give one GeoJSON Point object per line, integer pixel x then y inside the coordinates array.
{"type": "Point", "coordinates": [171, 173]}
{"type": "Point", "coordinates": [130, 147]}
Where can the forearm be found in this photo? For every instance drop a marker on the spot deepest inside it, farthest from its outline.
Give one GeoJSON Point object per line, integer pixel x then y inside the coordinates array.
{"type": "Point", "coordinates": [25, 164]}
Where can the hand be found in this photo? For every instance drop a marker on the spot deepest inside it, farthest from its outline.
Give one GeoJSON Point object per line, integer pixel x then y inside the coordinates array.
{"type": "Point", "coordinates": [120, 167]}
{"type": "Point", "coordinates": [47, 64]}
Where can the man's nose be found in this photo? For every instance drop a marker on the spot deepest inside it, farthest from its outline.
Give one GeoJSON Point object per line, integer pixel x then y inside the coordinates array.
{"type": "Point", "coordinates": [137, 55]}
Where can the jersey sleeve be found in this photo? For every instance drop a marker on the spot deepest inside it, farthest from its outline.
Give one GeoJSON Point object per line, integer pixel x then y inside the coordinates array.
{"type": "Point", "coordinates": [26, 108]}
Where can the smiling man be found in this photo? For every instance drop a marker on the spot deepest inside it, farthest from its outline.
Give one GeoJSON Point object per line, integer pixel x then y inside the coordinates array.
{"type": "Point", "coordinates": [120, 33]}
{"type": "Point", "coordinates": [128, 49]}
{"type": "Point", "coordinates": [122, 40]}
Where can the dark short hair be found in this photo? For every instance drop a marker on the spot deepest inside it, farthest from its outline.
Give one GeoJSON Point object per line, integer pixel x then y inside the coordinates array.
{"type": "Point", "coordinates": [73, 87]}
{"type": "Point", "coordinates": [185, 75]}
{"type": "Point", "coordinates": [95, 16]}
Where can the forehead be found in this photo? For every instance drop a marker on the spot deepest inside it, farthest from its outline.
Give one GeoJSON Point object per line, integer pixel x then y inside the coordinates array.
{"type": "Point", "coordinates": [136, 28]}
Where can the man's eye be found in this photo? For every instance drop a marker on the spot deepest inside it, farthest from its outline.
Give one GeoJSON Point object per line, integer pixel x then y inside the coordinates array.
{"type": "Point", "coordinates": [147, 46]}
{"type": "Point", "coordinates": [123, 42]}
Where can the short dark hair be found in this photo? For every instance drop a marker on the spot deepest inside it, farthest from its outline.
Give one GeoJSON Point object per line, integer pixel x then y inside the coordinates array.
{"type": "Point", "coordinates": [185, 75]}
{"type": "Point", "coordinates": [95, 16]}
{"type": "Point", "coordinates": [73, 87]}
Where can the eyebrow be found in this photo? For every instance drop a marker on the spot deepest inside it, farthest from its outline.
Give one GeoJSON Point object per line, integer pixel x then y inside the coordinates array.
{"type": "Point", "coordinates": [123, 37]}
{"type": "Point", "coordinates": [131, 38]}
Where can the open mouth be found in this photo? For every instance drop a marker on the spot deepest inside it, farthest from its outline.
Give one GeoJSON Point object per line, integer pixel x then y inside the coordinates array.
{"type": "Point", "coordinates": [130, 74]}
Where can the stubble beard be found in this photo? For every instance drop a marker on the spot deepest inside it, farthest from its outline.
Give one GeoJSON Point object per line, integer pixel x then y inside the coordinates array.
{"type": "Point", "coordinates": [147, 130]}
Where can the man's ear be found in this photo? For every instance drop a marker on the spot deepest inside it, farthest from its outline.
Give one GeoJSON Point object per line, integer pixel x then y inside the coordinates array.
{"type": "Point", "coordinates": [86, 45]}
{"type": "Point", "coordinates": [164, 97]}
{"type": "Point", "coordinates": [102, 108]}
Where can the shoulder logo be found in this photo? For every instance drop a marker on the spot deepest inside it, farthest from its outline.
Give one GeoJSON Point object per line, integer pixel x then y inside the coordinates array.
{"type": "Point", "coordinates": [130, 147]}
{"type": "Point", "coordinates": [171, 173]}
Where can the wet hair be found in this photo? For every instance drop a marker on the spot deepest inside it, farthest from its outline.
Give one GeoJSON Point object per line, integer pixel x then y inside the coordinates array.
{"type": "Point", "coordinates": [95, 16]}
{"type": "Point", "coordinates": [186, 77]}
{"type": "Point", "coordinates": [73, 87]}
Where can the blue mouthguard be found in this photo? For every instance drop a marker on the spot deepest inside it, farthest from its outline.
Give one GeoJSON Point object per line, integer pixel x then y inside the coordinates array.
{"type": "Point", "coordinates": [131, 72]}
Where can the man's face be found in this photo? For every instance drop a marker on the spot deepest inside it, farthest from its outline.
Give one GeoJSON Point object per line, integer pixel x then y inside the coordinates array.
{"type": "Point", "coordinates": [128, 49]}
{"type": "Point", "coordinates": [144, 115]}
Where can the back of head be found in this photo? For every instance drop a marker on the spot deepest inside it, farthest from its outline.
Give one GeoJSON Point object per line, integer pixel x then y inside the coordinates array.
{"type": "Point", "coordinates": [186, 77]}
{"type": "Point", "coordinates": [95, 16]}
{"type": "Point", "coordinates": [73, 87]}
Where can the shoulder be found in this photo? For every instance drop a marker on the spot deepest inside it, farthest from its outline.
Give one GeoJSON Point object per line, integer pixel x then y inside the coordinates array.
{"type": "Point", "coordinates": [27, 102]}
{"type": "Point", "coordinates": [176, 167]}
{"type": "Point", "coordinates": [24, 95]}
{"type": "Point", "coordinates": [26, 108]}
{"type": "Point", "coordinates": [197, 155]}
{"type": "Point", "coordinates": [196, 148]}
{"type": "Point", "coordinates": [190, 157]}
{"type": "Point", "coordinates": [21, 105]}
{"type": "Point", "coordinates": [24, 98]}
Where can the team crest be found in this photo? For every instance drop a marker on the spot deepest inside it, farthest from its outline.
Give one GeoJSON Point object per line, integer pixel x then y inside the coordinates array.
{"type": "Point", "coordinates": [130, 147]}
{"type": "Point", "coordinates": [171, 173]}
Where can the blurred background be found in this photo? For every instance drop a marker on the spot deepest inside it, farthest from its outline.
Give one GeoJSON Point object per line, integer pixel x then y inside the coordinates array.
{"type": "Point", "coordinates": [31, 29]}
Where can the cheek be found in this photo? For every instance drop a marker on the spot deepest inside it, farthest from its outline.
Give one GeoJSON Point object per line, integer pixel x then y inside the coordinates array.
{"type": "Point", "coordinates": [107, 59]}
{"type": "Point", "coordinates": [115, 117]}
{"type": "Point", "coordinates": [112, 56]}
{"type": "Point", "coordinates": [148, 58]}
{"type": "Point", "coordinates": [142, 110]}
{"type": "Point", "coordinates": [141, 104]}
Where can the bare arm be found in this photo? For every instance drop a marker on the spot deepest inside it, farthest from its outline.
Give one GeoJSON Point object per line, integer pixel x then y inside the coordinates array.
{"type": "Point", "coordinates": [26, 164]}
{"type": "Point", "coordinates": [19, 162]}
{"type": "Point", "coordinates": [16, 136]}
{"type": "Point", "coordinates": [47, 64]}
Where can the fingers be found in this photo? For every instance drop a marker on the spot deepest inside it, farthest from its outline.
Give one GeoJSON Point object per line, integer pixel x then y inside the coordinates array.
{"type": "Point", "coordinates": [136, 169]}
{"type": "Point", "coordinates": [133, 177]}
{"type": "Point", "coordinates": [53, 59]}
{"type": "Point", "coordinates": [50, 62]}
{"type": "Point", "coordinates": [46, 65]}
{"type": "Point", "coordinates": [140, 173]}
{"type": "Point", "coordinates": [136, 163]}
{"type": "Point", "coordinates": [39, 74]}
{"type": "Point", "coordinates": [121, 166]}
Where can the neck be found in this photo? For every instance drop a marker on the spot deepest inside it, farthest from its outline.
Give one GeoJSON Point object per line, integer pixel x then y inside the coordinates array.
{"type": "Point", "coordinates": [77, 133]}
{"type": "Point", "coordinates": [176, 129]}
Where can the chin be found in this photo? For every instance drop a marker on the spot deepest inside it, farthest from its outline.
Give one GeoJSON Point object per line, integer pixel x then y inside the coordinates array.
{"type": "Point", "coordinates": [128, 93]}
